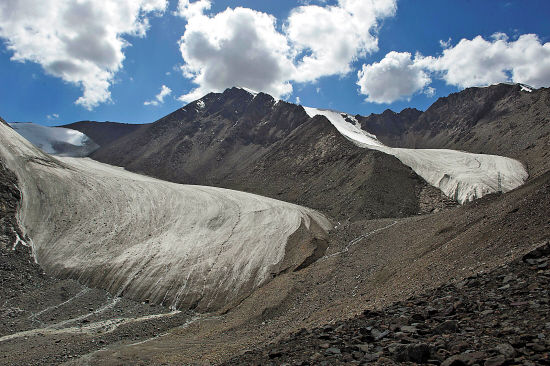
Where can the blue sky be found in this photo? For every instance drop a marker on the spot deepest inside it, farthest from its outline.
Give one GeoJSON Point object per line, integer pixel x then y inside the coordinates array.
{"type": "Point", "coordinates": [34, 90]}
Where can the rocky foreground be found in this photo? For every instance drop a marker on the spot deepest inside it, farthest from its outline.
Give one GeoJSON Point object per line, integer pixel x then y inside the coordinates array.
{"type": "Point", "coordinates": [492, 319]}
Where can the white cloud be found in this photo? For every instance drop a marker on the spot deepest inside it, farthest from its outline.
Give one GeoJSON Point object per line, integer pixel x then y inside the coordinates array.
{"type": "Point", "coordinates": [327, 39]}
{"type": "Point", "coordinates": [476, 62]}
{"type": "Point", "coordinates": [189, 10]}
{"type": "Point", "coordinates": [395, 77]}
{"type": "Point", "coordinates": [479, 62]}
{"type": "Point", "coordinates": [159, 98]}
{"type": "Point", "coordinates": [297, 100]}
{"type": "Point", "coordinates": [78, 41]}
{"type": "Point", "coordinates": [242, 47]}
{"type": "Point", "coordinates": [237, 47]}
{"type": "Point", "coordinates": [52, 116]}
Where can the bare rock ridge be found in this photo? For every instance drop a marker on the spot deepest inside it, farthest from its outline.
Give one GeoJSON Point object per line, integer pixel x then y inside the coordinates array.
{"type": "Point", "coordinates": [317, 167]}
{"type": "Point", "coordinates": [181, 246]}
{"type": "Point", "coordinates": [103, 133]}
{"type": "Point", "coordinates": [501, 119]}
{"type": "Point", "coordinates": [205, 140]}
{"type": "Point", "coordinates": [224, 137]}
{"type": "Point", "coordinates": [239, 140]}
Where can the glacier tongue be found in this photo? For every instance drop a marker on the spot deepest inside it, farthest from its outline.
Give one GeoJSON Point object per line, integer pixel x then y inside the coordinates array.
{"type": "Point", "coordinates": [185, 246]}
{"type": "Point", "coordinates": [460, 175]}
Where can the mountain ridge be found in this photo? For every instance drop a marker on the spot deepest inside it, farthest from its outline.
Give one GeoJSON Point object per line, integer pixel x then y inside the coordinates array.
{"type": "Point", "coordinates": [501, 119]}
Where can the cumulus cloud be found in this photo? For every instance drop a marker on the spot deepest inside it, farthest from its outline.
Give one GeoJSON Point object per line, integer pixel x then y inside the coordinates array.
{"type": "Point", "coordinates": [327, 39]}
{"type": "Point", "coordinates": [159, 98]}
{"type": "Point", "coordinates": [475, 62]}
{"type": "Point", "coordinates": [237, 47]}
{"type": "Point", "coordinates": [480, 62]}
{"type": "Point", "coordinates": [395, 77]}
{"type": "Point", "coordinates": [243, 47]}
{"type": "Point", "coordinates": [78, 41]}
{"type": "Point", "coordinates": [52, 116]}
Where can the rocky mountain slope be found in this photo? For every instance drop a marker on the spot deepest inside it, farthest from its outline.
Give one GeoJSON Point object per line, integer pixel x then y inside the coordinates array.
{"type": "Point", "coordinates": [494, 318]}
{"type": "Point", "coordinates": [500, 119]}
{"type": "Point", "coordinates": [103, 133]}
{"type": "Point", "coordinates": [251, 142]}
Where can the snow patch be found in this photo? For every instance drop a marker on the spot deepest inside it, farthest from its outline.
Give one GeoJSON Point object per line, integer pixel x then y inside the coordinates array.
{"type": "Point", "coordinates": [460, 175]}
{"type": "Point", "coordinates": [200, 104]}
{"type": "Point", "coordinates": [526, 88]}
{"type": "Point", "coordinates": [253, 92]}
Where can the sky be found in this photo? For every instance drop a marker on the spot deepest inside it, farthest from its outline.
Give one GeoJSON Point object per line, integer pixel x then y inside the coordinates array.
{"type": "Point", "coordinates": [135, 61]}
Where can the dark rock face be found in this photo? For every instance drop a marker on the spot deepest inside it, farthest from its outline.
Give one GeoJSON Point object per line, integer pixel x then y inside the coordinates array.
{"type": "Point", "coordinates": [207, 139]}
{"type": "Point", "coordinates": [500, 119]}
{"type": "Point", "coordinates": [9, 201]}
{"type": "Point", "coordinates": [317, 167]}
{"type": "Point", "coordinates": [495, 318]}
{"type": "Point", "coordinates": [103, 133]}
{"type": "Point", "coordinates": [256, 144]}
{"type": "Point", "coordinates": [18, 272]}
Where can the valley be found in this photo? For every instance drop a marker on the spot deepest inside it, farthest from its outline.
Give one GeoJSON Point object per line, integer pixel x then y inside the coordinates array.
{"type": "Point", "coordinates": [240, 221]}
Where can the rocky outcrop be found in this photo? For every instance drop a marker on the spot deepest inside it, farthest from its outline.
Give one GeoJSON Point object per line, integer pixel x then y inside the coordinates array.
{"type": "Point", "coordinates": [317, 167]}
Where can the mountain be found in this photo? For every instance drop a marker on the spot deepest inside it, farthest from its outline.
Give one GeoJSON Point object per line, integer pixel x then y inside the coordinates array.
{"type": "Point", "coordinates": [56, 140]}
{"type": "Point", "coordinates": [252, 142]}
{"type": "Point", "coordinates": [103, 133]}
{"type": "Point", "coordinates": [225, 140]}
{"type": "Point", "coordinates": [504, 119]}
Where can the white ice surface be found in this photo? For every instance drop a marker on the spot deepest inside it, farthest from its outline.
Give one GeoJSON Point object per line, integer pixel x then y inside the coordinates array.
{"type": "Point", "coordinates": [460, 175]}
{"type": "Point", "coordinates": [144, 237]}
{"type": "Point", "coordinates": [46, 138]}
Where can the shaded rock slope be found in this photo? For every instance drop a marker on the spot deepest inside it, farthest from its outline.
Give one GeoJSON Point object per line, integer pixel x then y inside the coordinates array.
{"type": "Point", "coordinates": [494, 318]}
{"type": "Point", "coordinates": [317, 167]}
{"type": "Point", "coordinates": [501, 119]}
{"type": "Point", "coordinates": [103, 133]}
{"type": "Point", "coordinates": [254, 143]}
